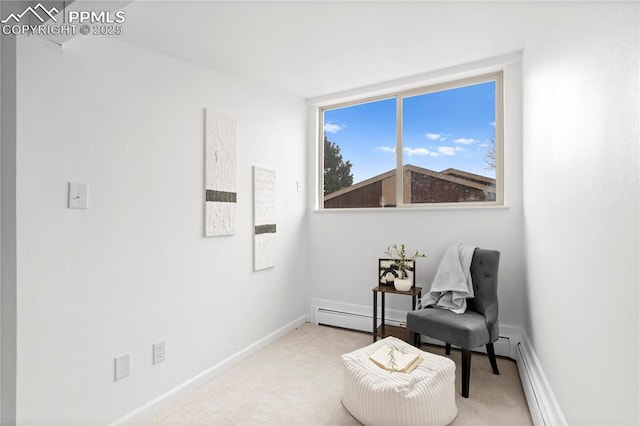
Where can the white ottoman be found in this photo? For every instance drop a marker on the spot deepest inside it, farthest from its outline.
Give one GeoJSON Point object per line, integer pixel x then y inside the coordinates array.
{"type": "Point", "coordinates": [374, 396]}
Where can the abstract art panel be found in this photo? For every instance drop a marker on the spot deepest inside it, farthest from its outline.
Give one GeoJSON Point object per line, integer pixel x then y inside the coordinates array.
{"type": "Point", "coordinates": [264, 218]}
{"type": "Point", "coordinates": [220, 174]}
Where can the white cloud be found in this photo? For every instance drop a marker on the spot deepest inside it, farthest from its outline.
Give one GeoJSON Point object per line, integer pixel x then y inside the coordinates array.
{"type": "Point", "coordinates": [449, 150]}
{"type": "Point", "coordinates": [423, 152]}
{"type": "Point", "coordinates": [493, 123]}
{"type": "Point", "coordinates": [465, 141]}
{"type": "Point", "coordinates": [436, 136]}
{"type": "Point", "coordinates": [386, 149]}
{"type": "Point", "coordinates": [432, 136]}
{"type": "Point", "coordinates": [333, 128]}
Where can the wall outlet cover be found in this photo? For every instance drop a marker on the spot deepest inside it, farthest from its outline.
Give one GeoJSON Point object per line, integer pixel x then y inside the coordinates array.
{"type": "Point", "coordinates": [122, 366]}
{"type": "Point", "coordinates": [159, 351]}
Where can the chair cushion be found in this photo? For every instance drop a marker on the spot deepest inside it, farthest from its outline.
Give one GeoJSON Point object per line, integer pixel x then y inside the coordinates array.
{"type": "Point", "coordinates": [467, 330]}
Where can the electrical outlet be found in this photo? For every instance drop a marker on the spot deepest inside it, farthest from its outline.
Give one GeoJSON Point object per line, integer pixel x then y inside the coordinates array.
{"type": "Point", "coordinates": [122, 366]}
{"type": "Point", "coordinates": [159, 351]}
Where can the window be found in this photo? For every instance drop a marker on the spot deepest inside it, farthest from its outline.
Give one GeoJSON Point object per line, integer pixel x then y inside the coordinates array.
{"type": "Point", "coordinates": [434, 145]}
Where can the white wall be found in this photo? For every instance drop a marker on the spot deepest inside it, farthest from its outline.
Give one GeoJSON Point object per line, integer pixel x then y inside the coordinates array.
{"type": "Point", "coordinates": [345, 245]}
{"type": "Point", "coordinates": [580, 73]}
{"type": "Point", "coordinates": [135, 268]}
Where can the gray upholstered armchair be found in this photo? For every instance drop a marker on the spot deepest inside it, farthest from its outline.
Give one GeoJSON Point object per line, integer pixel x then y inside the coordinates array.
{"type": "Point", "coordinates": [477, 326]}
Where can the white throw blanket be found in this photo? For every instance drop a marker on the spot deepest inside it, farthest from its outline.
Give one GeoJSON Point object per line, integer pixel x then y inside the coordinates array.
{"type": "Point", "coordinates": [452, 284]}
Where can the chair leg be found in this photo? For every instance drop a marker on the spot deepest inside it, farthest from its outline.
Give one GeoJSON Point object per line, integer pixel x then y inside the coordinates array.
{"type": "Point", "coordinates": [492, 358]}
{"type": "Point", "coordinates": [415, 338]}
{"type": "Point", "coordinates": [466, 372]}
{"type": "Point", "coordinates": [447, 348]}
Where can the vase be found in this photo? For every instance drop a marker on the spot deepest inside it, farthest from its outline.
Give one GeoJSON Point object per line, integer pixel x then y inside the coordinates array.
{"type": "Point", "coordinates": [403, 284]}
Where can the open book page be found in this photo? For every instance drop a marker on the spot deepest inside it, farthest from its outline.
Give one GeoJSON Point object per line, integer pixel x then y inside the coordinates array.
{"type": "Point", "coordinates": [393, 360]}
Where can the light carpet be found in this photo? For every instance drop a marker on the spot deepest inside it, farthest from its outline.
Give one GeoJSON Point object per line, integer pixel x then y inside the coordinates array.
{"type": "Point", "coordinates": [298, 381]}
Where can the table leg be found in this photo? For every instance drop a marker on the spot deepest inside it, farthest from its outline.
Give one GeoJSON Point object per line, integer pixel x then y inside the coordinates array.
{"type": "Point", "coordinates": [375, 314]}
{"type": "Point", "coordinates": [383, 311]}
{"type": "Point", "coordinates": [417, 337]}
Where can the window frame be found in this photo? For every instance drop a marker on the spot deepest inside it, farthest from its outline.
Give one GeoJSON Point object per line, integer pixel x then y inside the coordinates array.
{"type": "Point", "coordinates": [400, 95]}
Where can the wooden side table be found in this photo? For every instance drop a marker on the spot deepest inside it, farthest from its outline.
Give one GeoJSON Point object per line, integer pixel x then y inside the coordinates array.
{"type": "Point", "coordinates": [384, 330]}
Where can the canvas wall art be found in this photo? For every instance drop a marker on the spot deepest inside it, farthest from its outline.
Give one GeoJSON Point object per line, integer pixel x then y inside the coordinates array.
{"type": "Point", "coordinates": [264, 218]}
{"type": "Point", "coordinates": [220, 174]}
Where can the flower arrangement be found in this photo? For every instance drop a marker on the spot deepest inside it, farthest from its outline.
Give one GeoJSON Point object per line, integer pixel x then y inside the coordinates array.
{"type": "Point", "coordinates": [401, 261]}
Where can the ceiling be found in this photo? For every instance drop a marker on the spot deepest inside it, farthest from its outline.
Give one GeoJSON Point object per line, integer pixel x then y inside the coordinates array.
{"type": "Point", "coordinates": [317, 48]}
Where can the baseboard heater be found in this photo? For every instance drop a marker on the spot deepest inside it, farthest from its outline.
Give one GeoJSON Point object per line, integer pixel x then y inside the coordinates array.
{"type": "Point", "coordinates": [527, 379]}
{"type": "Point", "coordinates": [350, 320]}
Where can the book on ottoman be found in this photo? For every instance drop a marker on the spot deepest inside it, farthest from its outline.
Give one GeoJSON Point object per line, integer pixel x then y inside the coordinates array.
{"type": "Point", "coordinates": [393, 360]}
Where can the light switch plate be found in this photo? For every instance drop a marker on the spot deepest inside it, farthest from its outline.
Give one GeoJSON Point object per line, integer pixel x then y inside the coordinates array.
{"type": "Point", "coordinates": [78, 195]}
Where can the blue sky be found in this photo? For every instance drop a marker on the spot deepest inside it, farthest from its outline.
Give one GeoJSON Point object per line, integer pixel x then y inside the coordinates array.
{"type": "Point", "coordinates": [444, 129]}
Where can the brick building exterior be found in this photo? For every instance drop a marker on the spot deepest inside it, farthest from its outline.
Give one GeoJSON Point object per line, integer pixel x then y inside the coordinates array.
{"type": "Point", "coordinates": [420, 186]}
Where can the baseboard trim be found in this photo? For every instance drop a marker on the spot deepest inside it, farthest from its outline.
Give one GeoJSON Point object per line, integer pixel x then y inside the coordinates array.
{"type": "Point", "coordinates": [146, 411]}
{"type": "Point", "coordinates": [543, 406]}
